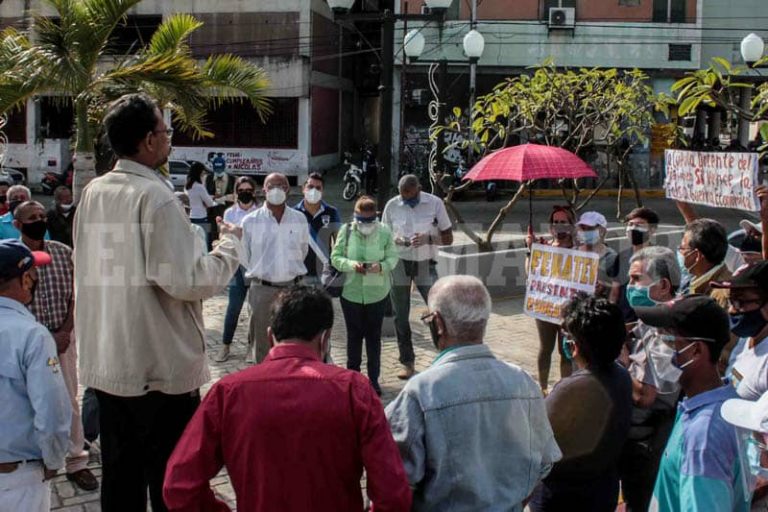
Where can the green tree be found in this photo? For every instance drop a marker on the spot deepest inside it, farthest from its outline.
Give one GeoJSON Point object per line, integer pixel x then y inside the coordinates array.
{"type": "Point", "coordinates": [720, 86]}
{"type": "Point", "coordinates": [68, 55]}
{"type": "Point", "coordinates": [586, 111]}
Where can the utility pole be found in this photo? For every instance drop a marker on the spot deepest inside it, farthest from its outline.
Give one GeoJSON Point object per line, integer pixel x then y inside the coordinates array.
{"type": "Point", "coordinates": [472, 77]}
{"type": "Point", "coordinates": [385, 109]}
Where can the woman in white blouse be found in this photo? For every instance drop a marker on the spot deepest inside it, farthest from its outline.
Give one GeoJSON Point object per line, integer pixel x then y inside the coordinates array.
{"type": "Point", "coordinates": [199, 199]}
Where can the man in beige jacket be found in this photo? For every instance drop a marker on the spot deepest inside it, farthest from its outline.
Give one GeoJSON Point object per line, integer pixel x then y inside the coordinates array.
{"type": "Point", "coordinates": [140, 275]}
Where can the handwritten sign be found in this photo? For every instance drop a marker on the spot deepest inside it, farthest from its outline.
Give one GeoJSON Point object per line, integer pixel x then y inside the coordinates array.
{"type": "Point", "coordinates": [723, 180]}
{"type": "Point", "coordinates": [555, 275]}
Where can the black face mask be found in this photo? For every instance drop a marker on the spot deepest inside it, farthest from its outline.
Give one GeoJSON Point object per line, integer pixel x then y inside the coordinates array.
{"type": "Point", "coordinates": [433, 332]}
{"type": "Point", "coordinates": [638, 237]}
{"type": "Point", "coordinates": [245, 197]}
{"type": "Point", "coordinates": [34, 230]}
{"type": "Point", "coordinates": [12, 205]}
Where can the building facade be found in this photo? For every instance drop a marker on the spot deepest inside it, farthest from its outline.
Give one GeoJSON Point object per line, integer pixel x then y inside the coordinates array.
{"type": "Point", "coordinates": [294, 41]}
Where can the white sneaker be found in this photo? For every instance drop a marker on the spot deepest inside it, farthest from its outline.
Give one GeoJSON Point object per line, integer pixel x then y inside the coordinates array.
{"type": "Point", "coordinates": [250, 357]}
{"type": "Point", "coordinates": [222, 355]}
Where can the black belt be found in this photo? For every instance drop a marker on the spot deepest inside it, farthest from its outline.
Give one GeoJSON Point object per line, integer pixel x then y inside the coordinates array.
{"type": "Point", "coordinates": [10, 467]}
{"type": "Point", "coordinates": [283, 284]}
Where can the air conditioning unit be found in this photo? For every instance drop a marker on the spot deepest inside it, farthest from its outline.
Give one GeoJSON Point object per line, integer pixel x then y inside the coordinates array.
{"type": "Point", "coordinates": [562, 17]}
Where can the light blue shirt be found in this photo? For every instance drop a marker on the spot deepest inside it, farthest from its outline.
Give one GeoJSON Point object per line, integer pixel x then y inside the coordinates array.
{"type": "Point", "coordinates": [700, 469]}
{"type": "Point", "coordinates": [473, 433]}
{"type": "Point", "coordinates": [8, 230]}
{"type": "Point", "coordinates": [37, 414]}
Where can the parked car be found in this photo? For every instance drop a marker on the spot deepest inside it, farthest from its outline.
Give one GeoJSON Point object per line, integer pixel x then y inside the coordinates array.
{"type": "Point", "coordinates": [178, 170]}
{"type": "Point", "coordinates": [14, 176]}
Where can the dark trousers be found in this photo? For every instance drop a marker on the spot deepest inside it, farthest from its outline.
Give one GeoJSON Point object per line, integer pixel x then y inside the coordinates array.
{"type": "Point", "coordinates": [90, 410]}
{"type": "Point", "coordinates": [238, 291]}
{"type": "Point", "coordinates": [138, 435]}
{"type": "Point", "coordinates": [424, 275]}
{"type": "Point", "coordinates": [364, 322]}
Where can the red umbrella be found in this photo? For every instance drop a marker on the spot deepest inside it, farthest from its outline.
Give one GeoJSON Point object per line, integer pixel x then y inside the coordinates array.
{"type": "Point", "coordinates": [530, 162]}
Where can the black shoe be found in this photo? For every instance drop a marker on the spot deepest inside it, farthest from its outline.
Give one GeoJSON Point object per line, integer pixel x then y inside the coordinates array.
{"type": "Point", "coordinates": [84, 479]}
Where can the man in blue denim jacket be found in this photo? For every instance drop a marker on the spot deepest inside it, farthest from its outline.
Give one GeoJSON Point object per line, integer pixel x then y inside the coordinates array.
{"type": "Point", "coordinates": [472, 430]}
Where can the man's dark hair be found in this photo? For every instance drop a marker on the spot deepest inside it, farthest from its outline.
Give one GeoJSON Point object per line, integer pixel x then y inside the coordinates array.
{"type": "Point", "coordinates": [245, 179]}
{"type": "Point", "coordinates": [648, 215]}
{"type": "Point", "coordinates": [300, 312]}
{"type": "Point", "coordinates": [597, 327]}
{"type": "Point", "coordinates": [709, 238]}
{"type": "Point", "coordinates": [315, 176]}
{"type": "Point", "coordinates": [128, 120]}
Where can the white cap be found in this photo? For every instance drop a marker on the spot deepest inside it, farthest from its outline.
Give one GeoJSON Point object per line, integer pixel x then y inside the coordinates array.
{"type": "Point", "coordinates": [746, 413]}
{"type": "Point", "coordinates": [592, 219]}
{"type": "Point", "coordinates": [747, 225]}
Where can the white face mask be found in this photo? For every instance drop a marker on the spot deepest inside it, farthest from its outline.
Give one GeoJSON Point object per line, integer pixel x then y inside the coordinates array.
{"type": "Point", "coordinates": [276, 196]}
{"type": "Point", "coordinates": [367, 228]}
{"type": "Point", "coordinates": [665, 373]}
{"type": "Point", "coordinates": [312, 195]}
{"type": "Point", "coordinates": [66, 207]}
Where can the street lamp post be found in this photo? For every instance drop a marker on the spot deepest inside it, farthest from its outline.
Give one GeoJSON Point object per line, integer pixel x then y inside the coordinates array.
{"type": "Point", "coordinates": [387, 19]}
{"type": "Point", "coordinates": [752, 49]}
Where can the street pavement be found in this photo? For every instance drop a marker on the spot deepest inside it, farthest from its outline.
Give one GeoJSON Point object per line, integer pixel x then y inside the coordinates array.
{"type": "Point", "coordinates": [511, 334]}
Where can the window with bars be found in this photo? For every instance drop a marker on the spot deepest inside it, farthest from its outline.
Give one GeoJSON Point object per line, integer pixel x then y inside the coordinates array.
{"type": "Point", "coordinates": [679, 52]}
{"type": "Point", "coordinates": [669, 11]}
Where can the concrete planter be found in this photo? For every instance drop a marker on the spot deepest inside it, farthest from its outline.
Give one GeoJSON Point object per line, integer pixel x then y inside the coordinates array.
{"type": "Point", "coordinates": [503, 269]}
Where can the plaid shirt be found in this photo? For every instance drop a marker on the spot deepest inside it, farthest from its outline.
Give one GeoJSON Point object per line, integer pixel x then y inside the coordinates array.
{"type": "Point", "coordinates": [55, 287]}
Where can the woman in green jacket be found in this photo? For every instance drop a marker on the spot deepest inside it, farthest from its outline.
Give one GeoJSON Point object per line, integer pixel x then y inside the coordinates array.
{"type": "Point", "coordinates": [365, 251]}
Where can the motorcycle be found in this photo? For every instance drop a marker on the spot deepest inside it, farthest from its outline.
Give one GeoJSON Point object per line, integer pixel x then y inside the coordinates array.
{"type": "Point", "coordinates": [53, 180]}
{"type": "Point", "coordinates": [353, 179]}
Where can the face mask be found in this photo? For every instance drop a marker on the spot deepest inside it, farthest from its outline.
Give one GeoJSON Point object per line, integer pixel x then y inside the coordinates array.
{"type": "Point", "coordinates": [34, 230]}
{"type": "Point", "coordinates": [567, 352]}
{"type": "Point", "coordinates": [638, 235]}
{"type": "Point", "coordinates": [659, 356]}
{"type": "Point", "coordinates": [245, 197]}
{"type": "Point", "coordinates": [639, 296]}
{"type": "Point", "coordinates": [66, 207]}
{"type": "Point", "coordinates": [13, 204]}
{"type": "Point", "coordinates": [747, 325]}
{"type": "Point", "coordinates": [562, 231]}
{"type": "Point", "coordinates": [276, 196]}
{"type": "Point", "coordinates": [589, 237]}
{"type": "Point", "coordinates": [676, 356]}
{"type": "Point", "coordinates": [412, 202]}
{"type": "Point", "coordinates": [312, 195]}
{"type": "Point", "coordinates": [367, 229]}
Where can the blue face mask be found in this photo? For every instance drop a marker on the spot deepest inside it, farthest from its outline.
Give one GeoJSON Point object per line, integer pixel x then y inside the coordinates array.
{"type": "Point", "coordinates": [746, 325]}
{"type": "Point", "coordinates": [639, 296]}
{"type": "Point", "coordinates": [412, 202]}
{"type": "Point", "coordinates": [567, 348]}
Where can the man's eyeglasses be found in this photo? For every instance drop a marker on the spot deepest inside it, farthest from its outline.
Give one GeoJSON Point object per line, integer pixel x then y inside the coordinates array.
{"type": "Point", "coordinates": [167, 131]}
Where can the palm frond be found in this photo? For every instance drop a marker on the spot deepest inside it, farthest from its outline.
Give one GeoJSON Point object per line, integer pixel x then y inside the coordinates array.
{"type": "Point", "coordinates": [230, 77]}
{"type": "Point", "coordinates": [173, 33]}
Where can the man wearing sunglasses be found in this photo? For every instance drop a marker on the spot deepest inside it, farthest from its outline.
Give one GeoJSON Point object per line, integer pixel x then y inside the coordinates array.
{"type": "Point", "coordinates": [699, 469]}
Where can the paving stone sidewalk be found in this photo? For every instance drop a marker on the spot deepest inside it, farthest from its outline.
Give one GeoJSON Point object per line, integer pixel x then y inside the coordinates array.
{"type": "Point", "coordinates": [511, 335]}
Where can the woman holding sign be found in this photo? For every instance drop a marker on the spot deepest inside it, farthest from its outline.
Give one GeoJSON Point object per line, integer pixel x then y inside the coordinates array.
{"type": "Point", "coordinates": [562, 229]}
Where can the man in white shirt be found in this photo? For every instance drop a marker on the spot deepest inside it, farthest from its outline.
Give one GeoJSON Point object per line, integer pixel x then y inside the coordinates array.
{"type": "Point", "coordinates": [419, 223]}
{"type": "Point", "coordinates": [276, 241]}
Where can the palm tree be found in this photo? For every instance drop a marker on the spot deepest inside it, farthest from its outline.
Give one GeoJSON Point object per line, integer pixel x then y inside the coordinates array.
{"type": "Point", "coordinates": [68, 56]}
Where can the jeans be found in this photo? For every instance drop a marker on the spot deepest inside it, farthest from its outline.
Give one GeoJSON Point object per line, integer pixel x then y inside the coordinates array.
{"type": "Point", "coordinates": [424, 275]}
{"type": "Point", "coordinates": [138, 435]}
{"type": "Point", "coordinates": [203, 223]}
{"type": "Point", "coordinates": [237, 293]}
{"type": "Point", "coordinates": [364, 322]}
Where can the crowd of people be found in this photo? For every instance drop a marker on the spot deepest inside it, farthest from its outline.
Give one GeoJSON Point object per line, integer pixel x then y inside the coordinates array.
{"type": "Point", "coordinates": [662, 402]}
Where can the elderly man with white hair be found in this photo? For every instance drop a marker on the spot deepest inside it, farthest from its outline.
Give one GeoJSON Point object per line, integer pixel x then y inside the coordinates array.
{"type": "Point", "coordinates": [472, 431]}
{"type": "Point", "coordinates": [16, 195]}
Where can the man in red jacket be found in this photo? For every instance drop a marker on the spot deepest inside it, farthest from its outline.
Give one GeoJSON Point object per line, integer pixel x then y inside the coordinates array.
{"type": "Point", "coordinates": [294, 433]}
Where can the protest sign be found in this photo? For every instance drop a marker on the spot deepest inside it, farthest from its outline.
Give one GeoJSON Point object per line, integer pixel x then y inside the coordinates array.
{"type": "Point", "coordinates": [554, 276]}
{"type": "Point", "coordinates": [723, 180]}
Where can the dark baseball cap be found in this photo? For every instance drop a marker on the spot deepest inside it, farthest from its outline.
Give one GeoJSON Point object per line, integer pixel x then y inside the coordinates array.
{"type": "Point", "coordinates": [16, 258]}
{"type": "Point", "coordinates": [696, 316]}
{"type": "Point", "coordinates": [748, 276]}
